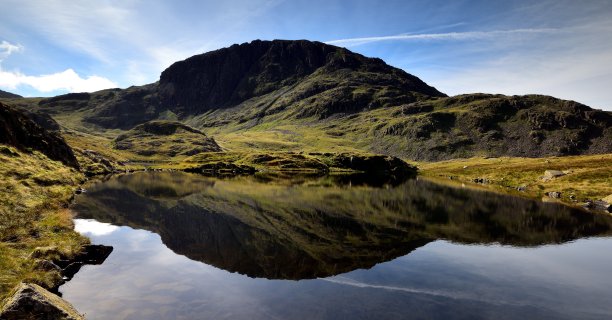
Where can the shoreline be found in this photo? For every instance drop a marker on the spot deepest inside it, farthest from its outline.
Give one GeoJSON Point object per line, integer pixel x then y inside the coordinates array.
{"type": "Point", "coordinates": [456, 173]}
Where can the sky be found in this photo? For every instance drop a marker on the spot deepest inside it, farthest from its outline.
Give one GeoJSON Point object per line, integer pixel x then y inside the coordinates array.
{"type": "Point", "coordinates": [561, 48]}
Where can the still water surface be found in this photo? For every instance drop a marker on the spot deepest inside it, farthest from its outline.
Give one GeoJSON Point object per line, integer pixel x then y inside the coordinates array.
{"type": "Point", "coordinates": [191, 247]}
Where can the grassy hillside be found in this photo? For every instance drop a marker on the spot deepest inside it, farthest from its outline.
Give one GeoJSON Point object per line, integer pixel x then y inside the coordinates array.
{"type": "Point", "coordinates": [586, 177]}
{"type": "Point", "coordinates": [34, 194]}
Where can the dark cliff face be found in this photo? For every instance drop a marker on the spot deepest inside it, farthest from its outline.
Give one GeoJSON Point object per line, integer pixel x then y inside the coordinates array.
{"type": "Point", "coordinates": [229, 76]}
{"type": "Point", "coordinates": [19, 131]}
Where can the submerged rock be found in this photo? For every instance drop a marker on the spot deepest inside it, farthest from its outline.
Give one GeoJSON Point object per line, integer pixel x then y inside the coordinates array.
{"type": "Point", "coordinates": [31, 301]}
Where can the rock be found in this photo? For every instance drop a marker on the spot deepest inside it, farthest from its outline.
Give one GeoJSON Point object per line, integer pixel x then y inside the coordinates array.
{"type": "Point", "coordinates": [31, 301]}
{"type": "Point", "coordinates": [80, 190]}
{"type": "Point", "coordinates": [598, 205]}
{"type": "Point", "coordinates": [481, 180]}
{"type": "Point", "coordinates": [47, 265]}
{"type": "Point", "coordinates": [554, 194]}
{"type": "Point", "coordinates": [521, 188]}
{"type": "Point", "coordinates": [550, 174]}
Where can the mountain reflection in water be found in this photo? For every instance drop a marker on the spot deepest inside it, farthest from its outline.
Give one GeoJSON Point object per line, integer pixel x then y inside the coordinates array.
{"type": "Point", "coordinates": [313, 228]}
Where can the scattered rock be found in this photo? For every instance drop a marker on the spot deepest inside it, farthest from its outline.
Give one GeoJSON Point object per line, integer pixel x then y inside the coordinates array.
{"type": "Point", "coordinates": [554, 194]}
{"type": "Point", "coordinates": [31, 301]}
{"type": "Point", "coordinates": [521, 188]}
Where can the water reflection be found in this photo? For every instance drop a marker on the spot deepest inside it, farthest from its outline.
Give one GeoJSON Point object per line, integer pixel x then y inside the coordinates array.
{"type": "Point", "coordinates": [304, 228]}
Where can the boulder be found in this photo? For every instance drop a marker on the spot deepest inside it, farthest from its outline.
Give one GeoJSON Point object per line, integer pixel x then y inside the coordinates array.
{"type": "Point", "coordinates": [554, 194]}
{"type": "Point", "coordinates": [31, 301]}
{"type": "Point", "coordinates": [550, 174]}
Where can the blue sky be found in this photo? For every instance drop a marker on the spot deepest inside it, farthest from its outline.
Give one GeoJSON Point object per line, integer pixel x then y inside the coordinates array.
{"type": "Point", "coordinates": [560, 48]}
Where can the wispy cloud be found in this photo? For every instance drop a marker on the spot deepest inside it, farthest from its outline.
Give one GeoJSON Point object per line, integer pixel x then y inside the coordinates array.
{"type": "Point", "coordinates": [469, 35]}
{"type": "Point", "coordinates": [7, 48]}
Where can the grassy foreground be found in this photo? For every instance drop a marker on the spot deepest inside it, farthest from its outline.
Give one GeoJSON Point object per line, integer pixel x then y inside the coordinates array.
{"type": "Point", "coordinates": [588, 177]}
{"type": "Point", "coordinates": [34, 194]}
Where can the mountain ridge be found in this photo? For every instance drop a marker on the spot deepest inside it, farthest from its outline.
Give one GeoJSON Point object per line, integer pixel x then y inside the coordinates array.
{"type": "Point", "coordinates": [286, 95]}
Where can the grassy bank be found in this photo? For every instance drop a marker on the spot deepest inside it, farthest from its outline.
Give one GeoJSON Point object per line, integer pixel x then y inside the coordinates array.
{"type": "Point", "coordinates": [34, 194]}
{"type": "Point", "coordinates": [586, 177]}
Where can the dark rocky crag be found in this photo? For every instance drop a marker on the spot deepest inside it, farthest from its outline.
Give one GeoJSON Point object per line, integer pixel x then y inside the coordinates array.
{"type": "Point", "coordinates": [17, 130]}
{"type": "Point", "coordinates": [230, 76]}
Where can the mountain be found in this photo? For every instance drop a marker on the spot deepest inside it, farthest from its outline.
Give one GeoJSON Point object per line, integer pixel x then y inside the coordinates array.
{"type": "Point", "coordinates": [300, 95]}
{"type": "Point", "coordinates": [17, 130]}
{"type": "Point", "coordinates": [4, 94]}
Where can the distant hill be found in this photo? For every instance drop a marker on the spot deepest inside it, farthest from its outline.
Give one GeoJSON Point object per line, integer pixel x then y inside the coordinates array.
{"type": "Point", "coordinates": [4, 94]}
{"type": "Point", "coordinates": [165, 138]}
{"type": "Point", "coordinates": [308, 96]}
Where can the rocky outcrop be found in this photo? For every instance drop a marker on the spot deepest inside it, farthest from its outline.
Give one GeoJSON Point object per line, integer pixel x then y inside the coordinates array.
{"type": "Point", "coordinates": [17, 130]}
{"type": "Point", "coordinates": [374, 164]}
{"type": "Point", "coordinates": [30, 301]}
{"type": "Point", "coordinates": [495, 125]}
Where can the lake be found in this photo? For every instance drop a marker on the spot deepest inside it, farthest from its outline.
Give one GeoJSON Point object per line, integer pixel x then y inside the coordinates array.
{"type": "Point", "coordinates": [336, 247]}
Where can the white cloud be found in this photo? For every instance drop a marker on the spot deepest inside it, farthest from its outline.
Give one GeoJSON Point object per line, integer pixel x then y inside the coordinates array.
{"type": "Point", "coordinates": [470, 35]}
{"type": "Point", "coordinates": [67, 80]}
